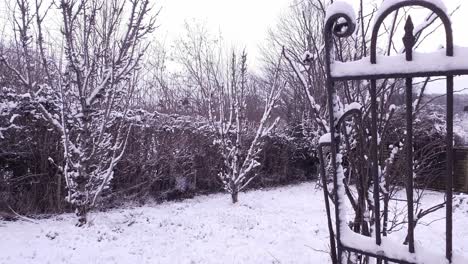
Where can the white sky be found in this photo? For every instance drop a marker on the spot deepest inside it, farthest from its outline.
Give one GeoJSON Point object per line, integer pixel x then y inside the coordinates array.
{"type": "Point", "coordinates": [244, 23]}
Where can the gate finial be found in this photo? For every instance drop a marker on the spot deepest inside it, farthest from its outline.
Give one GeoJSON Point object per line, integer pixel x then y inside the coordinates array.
{"type": "Point", "coordinates": [409, 40]}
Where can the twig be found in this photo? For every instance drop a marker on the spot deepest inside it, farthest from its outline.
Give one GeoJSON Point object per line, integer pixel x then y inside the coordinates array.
{"type": "Point", "coordinates": [23, 217]}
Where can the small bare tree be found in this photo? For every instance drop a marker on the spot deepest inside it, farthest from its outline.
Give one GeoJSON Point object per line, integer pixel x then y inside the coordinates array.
{"type": "Point", "coordinates": [222, 89]}
{"type": "Point", "coordinates": [231, 124]}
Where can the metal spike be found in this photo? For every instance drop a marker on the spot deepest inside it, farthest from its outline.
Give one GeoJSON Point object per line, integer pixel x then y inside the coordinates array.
{"type": "Point", "coordinates": [409, 40]}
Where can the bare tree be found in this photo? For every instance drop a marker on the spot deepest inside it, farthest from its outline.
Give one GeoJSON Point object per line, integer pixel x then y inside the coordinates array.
{"type": "Point", "coordinates": [203, 64]}
{"type": "Point", "coordinates": [104, 42]}
{"type": "Point", "coordinates": [231, 125]}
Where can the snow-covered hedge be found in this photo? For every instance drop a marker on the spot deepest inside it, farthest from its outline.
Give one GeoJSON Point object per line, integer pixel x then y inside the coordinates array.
{"type": "Point", "coordinates": [28, 180]}
{"type": "Point", "coordinates": [173, 156]}
{"type": "Point", "coordinates": [168, 157]}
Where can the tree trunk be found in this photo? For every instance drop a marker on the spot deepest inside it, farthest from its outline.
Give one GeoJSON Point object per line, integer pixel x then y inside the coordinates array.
{"type": "Point", "coordinates": [82, 213]}
{"type": "Point", "coordinates": [59, 197]}
{"type": "Point", "coordinates": [234, 196]}
{"type": "Point", "coordinates": [234, 191]}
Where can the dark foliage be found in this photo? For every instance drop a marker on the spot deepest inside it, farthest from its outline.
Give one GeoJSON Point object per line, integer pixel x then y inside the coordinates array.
{"type": "Point", "coordinates": [168, 157]}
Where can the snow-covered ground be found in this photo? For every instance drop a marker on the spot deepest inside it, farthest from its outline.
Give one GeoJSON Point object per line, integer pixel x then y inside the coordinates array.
{"type": "Point", "coordinates": [283, 225]}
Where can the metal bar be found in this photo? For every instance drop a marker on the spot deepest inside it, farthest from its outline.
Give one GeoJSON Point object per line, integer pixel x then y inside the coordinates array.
{"type": "Point", "coordinates": [327, 205]}
{"type": "Point", "coordinates": [409, 161]}
{"type": "Point", "coordinates": [381, 257]}
{"type": "Point", "coordinates": [328, 32]}
{"type": "Point", "coordinates": [449, 185]}
{"type": "Point", "coordinates": [409, 40]}
{"type": "Point", "coordinates": [333, 150]}
{"type": "Point", "coordinates": [374, 159]}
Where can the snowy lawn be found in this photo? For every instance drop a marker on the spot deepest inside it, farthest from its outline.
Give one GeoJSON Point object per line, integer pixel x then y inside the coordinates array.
{"type": "Point", "coordinates": [283, 225]}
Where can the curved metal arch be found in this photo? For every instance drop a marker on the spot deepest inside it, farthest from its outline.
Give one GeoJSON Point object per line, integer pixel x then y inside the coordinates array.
{"type": "Point", "coordinates": [329, 31]}
{"type": "Point", "coordinates": [333, 248]}
{"type": "Point", "coordinates": [432, 7]}
{"type": "Point", "coordinates": [353, 112]}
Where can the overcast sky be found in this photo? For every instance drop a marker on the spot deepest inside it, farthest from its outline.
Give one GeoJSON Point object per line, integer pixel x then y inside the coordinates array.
{"type": "Point", "coordinates": [244, 23]}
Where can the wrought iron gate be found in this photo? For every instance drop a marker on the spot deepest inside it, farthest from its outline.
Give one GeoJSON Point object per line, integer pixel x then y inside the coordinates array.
{"type": "Point", "coordinates": [374, 68]}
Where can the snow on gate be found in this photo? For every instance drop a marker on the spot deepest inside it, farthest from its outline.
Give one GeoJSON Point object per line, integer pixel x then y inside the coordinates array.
{"type": "Point", "coordinates": [340, 22]}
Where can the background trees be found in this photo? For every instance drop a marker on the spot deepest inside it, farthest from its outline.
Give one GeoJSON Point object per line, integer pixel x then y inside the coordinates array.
{"type": "Point", "coordinates": [93, 111]}
{"type": "Point", "coordinates": [101, 108]}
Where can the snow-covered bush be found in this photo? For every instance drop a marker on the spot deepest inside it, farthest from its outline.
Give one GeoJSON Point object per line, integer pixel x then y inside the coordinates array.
{"type": "Point", "coordinates": [28, 181]}
{"type": "Point", "coordinates": [461, 127]}
{"type": "Point", "coordinates": [429, 146]}
{"type": "Point", "coordinates": [167, 157]}
{"type": "Point", "coordinates": [167, 150]}
{"type": "Point", "coordinates": [286, 159]}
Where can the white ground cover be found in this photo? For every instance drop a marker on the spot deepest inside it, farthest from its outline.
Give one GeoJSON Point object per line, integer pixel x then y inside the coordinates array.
{"type": "Point", "coordinates": [283, 225]}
